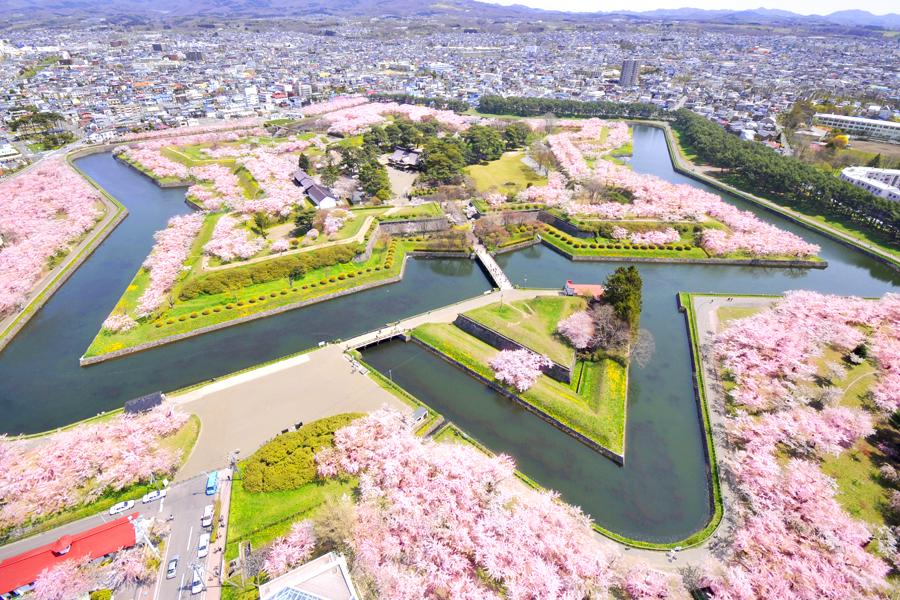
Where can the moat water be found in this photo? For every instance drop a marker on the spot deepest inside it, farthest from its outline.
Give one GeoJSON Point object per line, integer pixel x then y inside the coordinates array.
{"type": "Point", "coordinates": [660, 494]}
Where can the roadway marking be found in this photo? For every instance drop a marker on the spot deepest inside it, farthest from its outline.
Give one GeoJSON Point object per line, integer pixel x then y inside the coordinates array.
{"type": "Point", "coordinates": [164, 565]}
{"type": "Point", "coordinates": [181, 586]}
{"type": "Point", "coordinates": [190, 533]}
{"type": "Point", "coordinates": [161, 502]}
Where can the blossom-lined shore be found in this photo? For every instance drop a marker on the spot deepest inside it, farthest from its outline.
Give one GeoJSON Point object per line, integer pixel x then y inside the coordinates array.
{"type": "Point", "coordinates": [42, 212]}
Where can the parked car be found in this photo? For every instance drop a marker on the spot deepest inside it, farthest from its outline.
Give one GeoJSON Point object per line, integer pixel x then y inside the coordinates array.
{"type": "Point", "coordinates": [121, 507]}
{"type": "Point", "coordinates": [173, 566]}
{"type": "Point", "coordinates": [206, 519]}
{"type": "Point", "coordinates": [203, 546]}
{"type": "Point", "coordinates": [197, 582]}
{"type": "Point", "coordinates": [153, 496]}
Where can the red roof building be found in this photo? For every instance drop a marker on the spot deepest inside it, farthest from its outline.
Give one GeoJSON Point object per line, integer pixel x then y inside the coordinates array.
{"type": "Point", "coordinates": [107, 538]}
{"type": "Point", "coordinates": [588, 290]}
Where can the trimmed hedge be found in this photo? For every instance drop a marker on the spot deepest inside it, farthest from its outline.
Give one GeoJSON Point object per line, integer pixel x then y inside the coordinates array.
{"type": "Point", "coordinates": [287, 462]}
{"type": "Point", "coordinates": [218, 282]}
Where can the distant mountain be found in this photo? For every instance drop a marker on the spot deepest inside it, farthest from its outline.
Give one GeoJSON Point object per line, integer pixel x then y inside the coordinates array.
{"type": "Point", "coordinates": [34, 9]}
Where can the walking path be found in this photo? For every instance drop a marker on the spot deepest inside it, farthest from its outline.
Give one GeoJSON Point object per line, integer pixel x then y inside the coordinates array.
{"type": "Point", "coordinates": [492, 267]}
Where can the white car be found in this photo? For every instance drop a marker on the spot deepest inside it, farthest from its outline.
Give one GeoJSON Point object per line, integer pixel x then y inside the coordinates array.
{"type": "Point", "coordinates": [203, 546]}
{"type": "Point", "coordinates": [172, 568]}
{"type": "Point", "coordinates": [153, 496]}
{"type": "Point", "coordinates": [197, 582]}
{"type": "Point", "coordinates": [206, 519]}
{"type": "Point", "coordinates": [121, 507]}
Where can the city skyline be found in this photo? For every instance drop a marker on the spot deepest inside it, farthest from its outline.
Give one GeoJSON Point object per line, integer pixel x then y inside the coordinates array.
{"type": "Point", "coordinates": [801, 7]}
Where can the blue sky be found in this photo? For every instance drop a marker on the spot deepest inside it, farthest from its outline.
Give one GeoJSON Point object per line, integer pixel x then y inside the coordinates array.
{"type": "Point", "coordinates": [804, 7]}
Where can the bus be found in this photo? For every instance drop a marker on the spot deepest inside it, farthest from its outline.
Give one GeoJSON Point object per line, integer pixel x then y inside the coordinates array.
{"type": "Point", "coordinates": [212, 483]}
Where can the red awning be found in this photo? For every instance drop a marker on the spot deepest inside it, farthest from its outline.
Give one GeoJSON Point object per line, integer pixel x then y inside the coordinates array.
{"type": "Point", "coordinates": [102, 540]}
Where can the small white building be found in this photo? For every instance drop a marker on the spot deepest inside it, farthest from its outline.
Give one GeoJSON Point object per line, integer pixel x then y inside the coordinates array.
{"type": "Point", "coordinates": [323, 578]}
{"type": "Point", "coordinates": [884, 183]}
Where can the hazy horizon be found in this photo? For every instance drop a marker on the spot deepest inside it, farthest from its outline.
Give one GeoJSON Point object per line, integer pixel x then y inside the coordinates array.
{"type": "Point", "coordinates": [802, 7]}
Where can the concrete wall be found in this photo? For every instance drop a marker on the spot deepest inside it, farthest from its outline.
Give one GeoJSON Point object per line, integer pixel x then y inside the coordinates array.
{"type": "Point", "coordinates": [501, 342]}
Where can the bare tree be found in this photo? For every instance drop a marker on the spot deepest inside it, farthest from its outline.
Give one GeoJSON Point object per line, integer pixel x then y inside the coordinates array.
{"type": "Point", "coordinates": [610, 332]}
{"type": "Point", "coordinates": [334, 523]}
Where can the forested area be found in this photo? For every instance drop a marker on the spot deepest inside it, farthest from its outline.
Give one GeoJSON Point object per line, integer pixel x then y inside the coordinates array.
{"type": "Point", "coordinates": [536, 107]}
{"type": "Point", "coordinates": [757, 169]}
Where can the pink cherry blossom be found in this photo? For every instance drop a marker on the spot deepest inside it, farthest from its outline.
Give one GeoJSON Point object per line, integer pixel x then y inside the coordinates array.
{"type": "Point", "coordinates": [334, 220]}
{"type": "Point", "coordinates": [235, 124]}
{"type": "Point", "coordinates": [494, 199]}
{"type": "Point", "coordinates": [64, 581]}
{"type": "Point", "coordinates": [353, 120]}
{"type": "Point", "coordinates": [281, 245]}
{"type": "Point", "coordinates": [166, 260]}
{"type": "Point", "coordinates": [291, 550]}
{"type": "Point", "coordinates": [225, 185]}
{"type": "Point", "coordinates": [338, 103]}
{"type": "Point", "coordinates": [793, 539]}
{"type": "Point", "coordinates": [665, 236]}
{"type": "Point", "coordinates": [76, 466]}
{"type": "Point", "coordinates": [518, 368]}
{"type": "Point", "coordinates": [43, 211]}
{"type": "Point", "coordinates": [578, 328]}
{"type": "Point", "coordinates": [642, 583]}
{"type": "Point", "coordinates": [119, 322]}
{"type": "Point", "coordinates": [443, 520]}
{"type": "Point", "coordinates": [229, 241]}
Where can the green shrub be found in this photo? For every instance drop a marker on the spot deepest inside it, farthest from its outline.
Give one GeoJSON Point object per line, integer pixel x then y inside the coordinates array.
{"type": "Point", "coordinates": [261, 298]}
{"type": "Point", "coordinates": [101, 595]}
{"type": "Point", "coordinates": [205, 311]}
{"type": "Point", "coordinates": [182, 318]}
{"type": "Point", "coordinates": [158, 324]}
{"type": "Point", "coordinates": [218, 282]}
{"type": "Point", "coordinates": [194, 315]}
{"type": "Point", "coordinates": [288, 461]}
{"type": "Point", "coordinates": [282, 292]}
{"type": "Point", "coordinates": [170, 321]}
{"type": "Point", "coordinates": [217, 309]}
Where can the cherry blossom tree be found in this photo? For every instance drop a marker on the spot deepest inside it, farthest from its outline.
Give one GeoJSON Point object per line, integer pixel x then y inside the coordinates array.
{"type": "Point", "coordinates": [119, 322]}
{"type": "Point", "coordinates": [443, 520]}
{"type": "Point", "coordinates": [230, 242]}
{"type": "Point", "coordinates": [518, 368]}
{"type": "Point", "coordinates": [793, 539]}
{"type": "Point", "coordinates": [65, 581]}
{"type": "Point", "coordinates": [167, 258]}
{"type": "Point", "coordinates": [78, 465]}
{"type": "Point", "coordinates": [43, 211]}
{"type": "Point", "coordinates": [642, 583]}
{"type": "Point", "coordinates": [289, 551]}
{"type": "Point", "coordinates": [578, 328]}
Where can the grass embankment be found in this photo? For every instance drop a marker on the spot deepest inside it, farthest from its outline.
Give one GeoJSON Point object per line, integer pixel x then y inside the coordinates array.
{"type": "Point", "coordinates": [419, 211]}
{"type": "Point", "coordinates": [580, 407]}
{"type": "Point", "coordinates": [532, 323]}
{"type": "Point", "coordinates": [181, 441]}
{"type": "Point", "coordinates": [508, 174]}
{"type": "Point", "coordinates": [212, 309]}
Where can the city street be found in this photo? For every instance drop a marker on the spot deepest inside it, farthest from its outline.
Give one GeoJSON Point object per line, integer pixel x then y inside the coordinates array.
{"type": "Point", "coordinates": [185, 501]}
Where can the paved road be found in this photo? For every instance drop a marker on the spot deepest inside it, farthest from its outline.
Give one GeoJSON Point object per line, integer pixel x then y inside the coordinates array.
{"type": "Point", "coordinates": [185, 500]}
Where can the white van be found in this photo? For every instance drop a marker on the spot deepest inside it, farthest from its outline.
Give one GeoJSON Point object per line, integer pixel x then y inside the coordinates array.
{"type": "Point", "coordinates": [197, 582]}
{"type": "Point", "coordinates": [203, 546]}
{"type": "Point", "coordinates": [206, 519]}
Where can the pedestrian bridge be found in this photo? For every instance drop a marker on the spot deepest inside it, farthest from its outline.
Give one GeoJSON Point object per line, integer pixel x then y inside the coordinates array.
{"type": "Point", "coordinates": [493, 268]}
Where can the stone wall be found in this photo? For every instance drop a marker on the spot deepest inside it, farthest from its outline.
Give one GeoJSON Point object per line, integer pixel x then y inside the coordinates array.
{"type": "Point", "coordinates": [739, 262]}
{"type": "Point", "coordinates": [415, 226]}
{"type": "Point", "coordinates": [373, 239]}
{"type": "Point", "coordinates": [501, 342]}
{"type": "Point", "coordinates": [564, 225]}
{"type": "Point", "coordinates": [613, 456]}
{"type": "Point", "coordinates": [511, 217]}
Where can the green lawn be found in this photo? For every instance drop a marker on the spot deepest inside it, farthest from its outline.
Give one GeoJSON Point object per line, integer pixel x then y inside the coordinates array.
{"type": "Point", "coordinates": [506, 174]}
{"type": "Point", "coordinates": [585, 410]}
{"type": "Point", "coordinates": [264, 516]}
{"type": "Point", "coordinates": [426, 209]}
{"type": "Point", "coordinates": [204, 310]}
{"type": "Point", "coordinates": [533, 323]}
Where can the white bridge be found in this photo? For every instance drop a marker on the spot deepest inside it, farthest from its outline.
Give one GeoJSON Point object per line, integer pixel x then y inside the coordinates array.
{"type": "Point", "coordinates": [493, 268]}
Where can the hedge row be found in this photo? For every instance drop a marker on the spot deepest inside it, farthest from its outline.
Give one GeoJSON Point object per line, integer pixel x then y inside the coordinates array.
{"type": "Point", "coordinates": [287, 462]}
{"type": "Point", "coordinates": [296, 265]}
